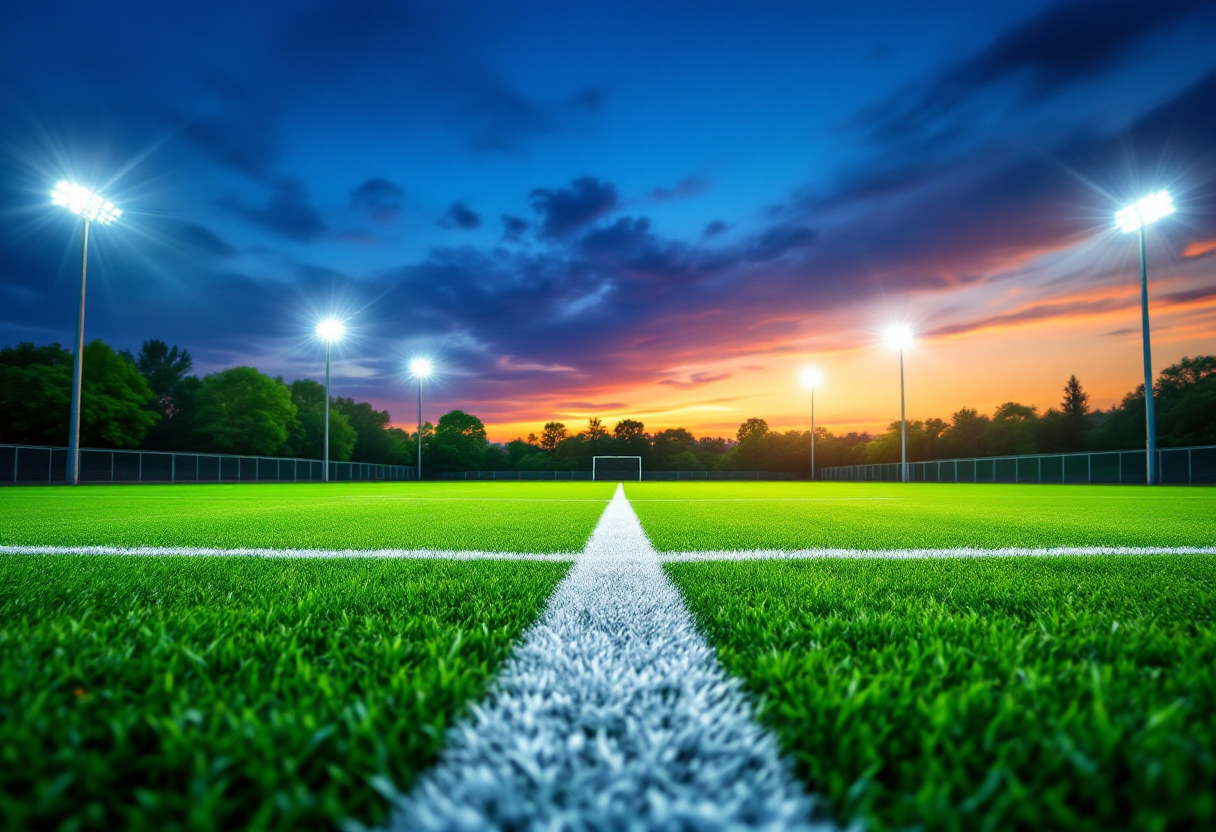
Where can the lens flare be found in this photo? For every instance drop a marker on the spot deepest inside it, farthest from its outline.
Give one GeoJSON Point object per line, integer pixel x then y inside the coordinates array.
{"type": "Point", "coordinates": [812, 377]}
{"type": "Point", "coordinates": [1145, 212]}
{"type": "Point", "coordinates": [85, 203]}
{"type": "Point", "coordinates": [898, 336]}
{"type": "Point", "coordinates": [331, 330]}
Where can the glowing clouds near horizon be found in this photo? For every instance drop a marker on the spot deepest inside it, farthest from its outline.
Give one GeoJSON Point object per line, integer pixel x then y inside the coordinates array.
{"type": "Point", "coordinates": [331, 330]}
{"type": "Point", "coordinates": [84, 203]}
{"type": "Point", "coordinates": [1145, 212]}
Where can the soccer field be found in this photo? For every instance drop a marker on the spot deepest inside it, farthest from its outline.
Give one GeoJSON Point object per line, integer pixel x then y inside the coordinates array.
{"type": "Point", "coordinates": [675, 653]}
{"type": "Point", "coordinates": [894, 516]}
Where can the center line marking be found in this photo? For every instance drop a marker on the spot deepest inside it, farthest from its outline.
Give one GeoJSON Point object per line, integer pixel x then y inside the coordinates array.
{"type": "Point", "coordinates": [612, 713]}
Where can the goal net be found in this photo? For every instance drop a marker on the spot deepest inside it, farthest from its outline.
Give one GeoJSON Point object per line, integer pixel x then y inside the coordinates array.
{"type": "Point", "coordinates": [616, 468]}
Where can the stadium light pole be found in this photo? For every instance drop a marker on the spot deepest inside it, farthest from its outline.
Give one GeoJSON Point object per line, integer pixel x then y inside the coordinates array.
{"type": "Point", "coordinates": [329, 330]}
{"type": "Point", "coordinates": [91, 207]}
{"type": "Point", "coordinates": [420, 368]}
{"type": "Point", "coordinates": [812, 378]}
{"type": "Point", "coordinates": [899, 337]}
{"type": "Point", "coordinates": [1139, 217]}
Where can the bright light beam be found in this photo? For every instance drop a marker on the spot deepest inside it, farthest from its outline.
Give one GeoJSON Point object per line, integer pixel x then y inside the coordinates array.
{"type": "Point", "coordinates": [812, 378]}
{"type": "Point", "coordinates": [420, 367]}
{"type": "Point", "coordinates": [84, 203]}
{"type": "Point", "coordinates": [898, 337]}
{"type": "Point", "coordinates": [1145, 212]}
{"type": "Point", "coordinates": [330, 330]}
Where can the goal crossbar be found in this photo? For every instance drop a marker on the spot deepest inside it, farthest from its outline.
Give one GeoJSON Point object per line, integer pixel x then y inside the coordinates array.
{"type": "Point", "coordinates": [615, 473]}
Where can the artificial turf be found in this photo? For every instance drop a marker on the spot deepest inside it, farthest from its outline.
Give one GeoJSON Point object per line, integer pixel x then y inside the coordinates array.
{"type": "Point", "coordinates": [1002, 693]}
{"type": "Point", "coordinates": [804, 515]}
{"type": "Point", "coordinates": [205, 693]}
{"type": "Point", "coordinates": [501, 517]}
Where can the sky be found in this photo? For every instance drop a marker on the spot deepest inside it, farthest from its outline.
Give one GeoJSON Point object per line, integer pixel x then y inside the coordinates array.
{"type": "Point", "coordinates": [658, 211]}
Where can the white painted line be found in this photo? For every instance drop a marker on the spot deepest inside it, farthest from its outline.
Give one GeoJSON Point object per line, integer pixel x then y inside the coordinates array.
{"type": "Point", "coordinates": [900, 554]}
{"type": "Point", "coordinates": [160, 551]}
{"type": "Point", "coordinates": [612, 713]}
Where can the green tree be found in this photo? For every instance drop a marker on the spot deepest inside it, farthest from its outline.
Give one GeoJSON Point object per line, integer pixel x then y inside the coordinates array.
{"type": "Point", "coordinates": [163, 367]}
{"type": "Point", "coordinates": [1014, 429]}
{"type": "Point", "coordinates": [308, 439]}
{"type": "Point", "coordinates": [167, 371]}
{"type": "Point", "coordinates": [752, 429]}
{"type": "Point", "coordinates": [459, 443]}
{"type": "Point", "coordinates": [1076, 401]}
{"type": "Point", "coordinates": [113, 400]}
{"type": "Point", "coordinates": [1185, 394]}
{"type": "Point", "coordinates": [373, 443]}
{"type": "Point", "coordinates": [628, 429]}
{"type": "Point", "coordinates": [551, 435]}
{"type": "Point", "coordinates": [36, 395]}
{"type": "Point", "coordinates": [242, 411]}
{"type": "Point", "coordinates": [596, 430]}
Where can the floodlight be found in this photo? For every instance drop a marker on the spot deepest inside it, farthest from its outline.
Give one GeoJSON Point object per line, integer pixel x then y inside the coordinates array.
{"type": "Point", "coordinates": [91, 207]}
{"type": "Point", "coordinates": [812, 377]}
{"type": "Point", "coordinates": [1145, 212]}
{"type": "Point", "coordinates": [898, 336]}
{"type": "Point", "coordinates": [1139, 217]}
{"type": "Point", "coordinates": [420, 367]}
{"type": "Point", "coordinates": [85, 203]}
{"type": "Point", "coordinates": [331, 329]}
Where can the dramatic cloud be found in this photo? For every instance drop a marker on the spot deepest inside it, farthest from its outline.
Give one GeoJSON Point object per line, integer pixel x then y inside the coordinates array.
{"type": "Point", "coordinates": [246, 146]}
{"type": "Point", "coordinates": [695, 380]}
{"type": "Point", "coordinates": [289, 212]}
{"type": "Point", "coordinates": [564, 211]}
{"type": "Point", "coordinates": [378, 200]}
{"type": "Point", "coordinates": [1069, 41]}
{"type": "Point", "coordinates": [689, 186]}
{"type": "Point", "coordinates": [513, 228]}
{"type": "Point", "coordinates": [778, 241]}
{"type": "Point", "coordinates": [714, 228]}
{"type": "Point", "coordinates": [460, 215]}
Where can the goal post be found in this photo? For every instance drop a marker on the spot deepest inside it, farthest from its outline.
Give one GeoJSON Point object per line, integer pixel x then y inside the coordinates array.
{"type": "Point", "coordinates": [616, 468]}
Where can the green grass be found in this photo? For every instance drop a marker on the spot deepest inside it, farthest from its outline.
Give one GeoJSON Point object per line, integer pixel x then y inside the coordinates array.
{"type": "Point", "coordinates": [230, 693]}
{"type": "Point", "coordinates": [511, 517]}
{"type": "Point", "coordinates": [715, 516]}
{"type": "Point", "coordinates": [1004, 693]}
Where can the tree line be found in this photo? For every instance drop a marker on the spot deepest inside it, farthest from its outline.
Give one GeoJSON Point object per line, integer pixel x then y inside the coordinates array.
{"type": "Point", "coordinates": [152, 400]}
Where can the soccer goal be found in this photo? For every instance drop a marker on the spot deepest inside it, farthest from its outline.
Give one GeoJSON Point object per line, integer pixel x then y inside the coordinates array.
{"type": "Point", "coordinates": [616, 468]}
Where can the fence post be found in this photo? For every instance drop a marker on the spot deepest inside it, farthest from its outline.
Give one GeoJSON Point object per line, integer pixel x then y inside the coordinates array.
{"type": "Point", "coordinates": [1189, 476]}
{"type": "Point", "coordinates": [173, 468]}
{"type": "Point", "coordinates": [1121, 469]}
{"type": "Point", "coordinates": [141, 467]}
{"type": "Point", "coordinates": [111, 466]}
{"type": "Point", "coordinates": [1089, 469]}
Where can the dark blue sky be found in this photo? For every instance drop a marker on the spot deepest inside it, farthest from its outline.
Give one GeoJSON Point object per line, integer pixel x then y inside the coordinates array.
{"type": "Point", "coordinates": [647, 209]}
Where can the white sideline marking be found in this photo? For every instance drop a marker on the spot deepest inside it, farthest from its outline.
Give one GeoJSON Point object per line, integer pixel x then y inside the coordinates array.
{"type": "Point", "coordinates": [612, 713]}
{"type": "Point", "coordinates": [154, 551]}
{"type": "Point", "coordinates": [862, 554]}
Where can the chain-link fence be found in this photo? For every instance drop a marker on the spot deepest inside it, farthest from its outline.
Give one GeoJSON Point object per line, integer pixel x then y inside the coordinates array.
{"type": "Point", "coordinates": [646, 475]}
{"type": "Point", "coordinates": [28, 465]}
{"type": "Point", "coordinates": [1176, 466]}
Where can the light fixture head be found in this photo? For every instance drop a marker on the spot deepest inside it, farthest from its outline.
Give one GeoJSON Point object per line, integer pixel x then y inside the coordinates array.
{"type": "Point", "coordinates": [812, 377]}
{"type": "Point", "coordinates": [898, 336]}
{"type": "Point", "coordinates": [420, 367]}
{"type": "Point", "coordinates": [85, 203]}
{"type": "Point", "coordinates": [1145, 212]}
{"type": "Point", "coordinates": [331, 329]}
